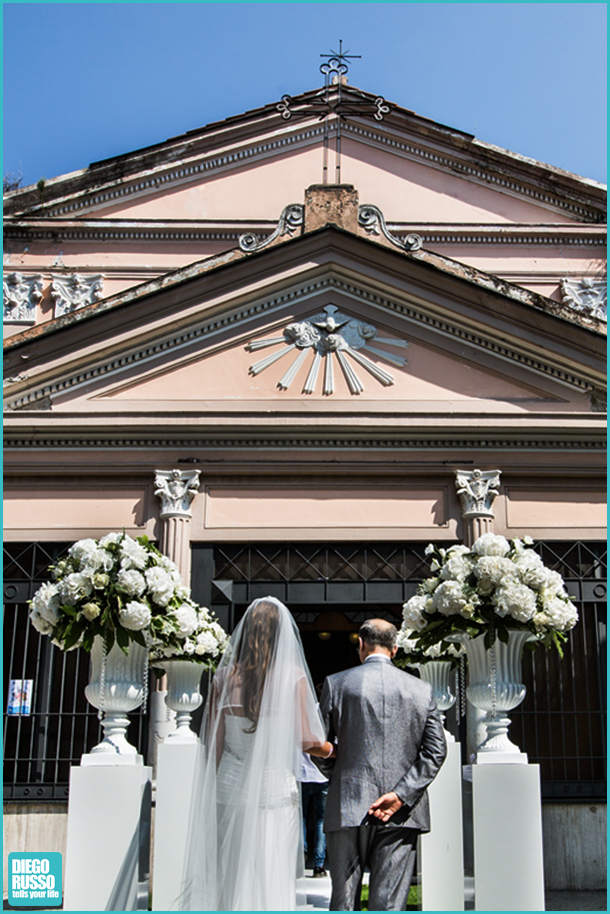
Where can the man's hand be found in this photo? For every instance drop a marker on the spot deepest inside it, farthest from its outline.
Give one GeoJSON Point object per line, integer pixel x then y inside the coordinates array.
{"type": "Point", "coordinates": [385, 807]}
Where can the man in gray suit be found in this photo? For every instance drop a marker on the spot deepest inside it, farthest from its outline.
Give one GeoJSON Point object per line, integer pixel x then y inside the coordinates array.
{"type": "Point", "coordinates": [390, 746]}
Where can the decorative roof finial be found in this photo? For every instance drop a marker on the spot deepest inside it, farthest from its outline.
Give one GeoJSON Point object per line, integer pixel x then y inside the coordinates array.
{"type": "Point", "coordinates": [336, 65]}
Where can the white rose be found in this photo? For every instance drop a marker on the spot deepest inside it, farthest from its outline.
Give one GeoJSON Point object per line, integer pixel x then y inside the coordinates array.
{"type": "Point", "coordinates": [135, 616]}
{"type": "Point", "coordinates": [46, 603]}
{"type": "Point", "coordinates": [449, 599]}
{"type": "Point", "coordinates": [131, 582]}
{"type": "Point", "coordinates": [188, 647]}
{"type": "Point", "coordinates": [491, 544]}
{"type": "Point", "coordinates": [186, 619]}
{"type": "Point", "coordinates": [74, 587]}
{"type": "Point", "coordinates": [91, 611]}
{"type": "Point", "coordinates": [515, 600]}
{"type": "Point", "coordinates": [160, 585]}
{"type": "Point", "coordinates": [458, 549]}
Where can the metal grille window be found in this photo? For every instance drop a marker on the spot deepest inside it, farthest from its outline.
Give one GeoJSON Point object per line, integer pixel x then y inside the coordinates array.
{"type": "Point", "coordinates": [561, 723]}
{"type": "Point", "coordinates": [40, 747]}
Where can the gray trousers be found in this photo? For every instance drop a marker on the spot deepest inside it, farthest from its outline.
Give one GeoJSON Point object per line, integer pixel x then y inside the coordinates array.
{"type": "Point", "coordinates": [389, 853]}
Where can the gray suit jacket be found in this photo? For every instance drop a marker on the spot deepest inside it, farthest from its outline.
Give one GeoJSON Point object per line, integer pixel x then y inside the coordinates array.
{"type": "Point", "coordinates": [390, 738]}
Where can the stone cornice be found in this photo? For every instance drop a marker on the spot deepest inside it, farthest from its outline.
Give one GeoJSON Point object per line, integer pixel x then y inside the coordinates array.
{"type": "Point", "coordinates": [230, 231]}
{"type": "Point", "coordinates": [234, 142]}
{"type": "Point", "coordinates": [213, 327]}
{"type": "Point", "coordinates": [254, 441]}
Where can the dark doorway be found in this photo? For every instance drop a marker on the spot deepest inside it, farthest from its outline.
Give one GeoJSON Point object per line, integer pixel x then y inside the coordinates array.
{"type": "Point", "coordinates": [329, 654]}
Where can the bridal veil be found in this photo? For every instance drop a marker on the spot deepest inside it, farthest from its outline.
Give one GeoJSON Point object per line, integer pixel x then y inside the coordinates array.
{"type": "Point", "coordinates": [244, 847]}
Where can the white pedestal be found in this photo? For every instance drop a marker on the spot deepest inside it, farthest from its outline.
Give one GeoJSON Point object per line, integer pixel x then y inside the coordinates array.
{"type": "Point", "coordinates": [441, 852]}
{"type": "Point", "coordinates": [507, 826]}
{"type": "Point", "coordinates": [175, 769]}
{"type": "Point", "coordinates": [108, 841]}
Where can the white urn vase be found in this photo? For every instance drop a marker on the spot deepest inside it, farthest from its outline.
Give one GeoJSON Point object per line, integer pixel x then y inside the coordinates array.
{"type": "Point", "coordinates": [494, 686]}
{"type": "Point", "coordinates": [438, 674]}
{"type": "Point", "coordinates": [183, 696]}
{"type": "Point", "coordinates": [117, 685]}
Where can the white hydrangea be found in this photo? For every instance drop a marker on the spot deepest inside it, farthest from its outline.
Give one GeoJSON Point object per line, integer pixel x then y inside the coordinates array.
{"type": "Point", "coordinates": [131, 582]}
{"type": "Point", "coordinates": [515, 600]}
{"type": "Point", "coordinates": [491, 570]}
{"type": "Point", "coordinates": [562, 614]}
{"type": "Point", "coordinates": [135, 616]}
{"type": "Point", "coordinates": [491, 544]}
{"type": "Point", "coordinates": [160, 585]}
{"type": "Point", "coordinates": [412, 612]}
{"type": "Point", "coordinates": [206, 643]}
{"type": "Point", "coordinates": [405, 642]}
{"type": "Point", "coordinates": [40, 623]}
{"type": "Point", "coordinates": [83, 550]}
{"type": "Point", "coordinates": [45, 604]}
{"type": "Point", "coordinates": [171, 568]}
{"type": "Point", "coordinates": [186, 620]}
{"type": "Point", "coordinates": [530, 568]}
{"type": "Point", "coordinates": [553, 585]}
{"type": "Point", "coordinates": [449, 599]}
{"type": "Point", "coordinates": [132, 554]}
{"type": "Point", "coordinates": [456, 568]}
{"type": "Point", "coordinates": [74, 587]}
{"type": "Point", "coordinates": [110, 539]}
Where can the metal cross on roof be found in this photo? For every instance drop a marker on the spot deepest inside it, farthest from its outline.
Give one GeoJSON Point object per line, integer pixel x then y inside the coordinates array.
{"type": "Point", "coordinates": [330, 101]}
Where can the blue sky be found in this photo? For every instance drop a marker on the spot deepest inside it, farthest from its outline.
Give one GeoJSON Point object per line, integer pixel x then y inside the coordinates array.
{"type": "Point", "coordinates": [83, 82]}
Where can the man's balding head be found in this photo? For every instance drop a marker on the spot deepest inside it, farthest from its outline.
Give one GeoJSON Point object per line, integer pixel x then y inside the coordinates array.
{"type": "Point", "coordinates": [378, 634]}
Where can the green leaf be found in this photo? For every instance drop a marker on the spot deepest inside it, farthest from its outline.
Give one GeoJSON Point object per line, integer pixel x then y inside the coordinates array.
{"type": "Point", "coordinates": [69, 611]}
{"type": "Point", "coordinates": [109, 639]}
{"type": "Point", "coordinates": [122, 639]}
{"type": "Point", "coordinates": [138, 637]}
{"type": "Point", "coordinates": [502, 633]}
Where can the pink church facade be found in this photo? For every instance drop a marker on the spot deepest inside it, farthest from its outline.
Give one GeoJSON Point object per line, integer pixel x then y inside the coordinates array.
{"type": "Point", "coordinates": [325, 364]}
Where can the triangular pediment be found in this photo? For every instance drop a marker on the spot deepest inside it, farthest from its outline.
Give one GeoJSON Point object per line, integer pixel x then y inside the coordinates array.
{"type": "Point", "coordinates": [248, 166]}
{"type": "Point", "coordinates": [401, 336]}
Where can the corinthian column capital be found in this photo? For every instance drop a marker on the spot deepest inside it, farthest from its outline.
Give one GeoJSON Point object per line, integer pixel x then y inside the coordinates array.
{"type": "Point", "coordinates": [477, 490]}
{"type": "Point", "coordinates": [177, 490]}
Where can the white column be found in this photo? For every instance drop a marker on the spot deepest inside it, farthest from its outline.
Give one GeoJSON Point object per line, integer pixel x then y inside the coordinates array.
{"type": "Point", "coordinates": [175, 770]}
{"type": "Point", "coordinates": [108, 840]}
{"type": "Point", "coordinates": [507, 826]}
{"type": "Point", "coordinates": [441, 852]}
{"type": "Point", "coordinates": [477, 490]}
{"type": "Point", "coordinates": [176, 490]}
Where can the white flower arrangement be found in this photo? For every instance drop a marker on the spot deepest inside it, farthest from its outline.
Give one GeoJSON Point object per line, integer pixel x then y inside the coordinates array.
{"type": "Point", "coordinates": [489, 589]}
{"type": "Point", "coordinates": [191, 633]}
{"type": "Point", "coordinates": [410, 654]}
{"type": "Point", "coordinates": [118, 588]}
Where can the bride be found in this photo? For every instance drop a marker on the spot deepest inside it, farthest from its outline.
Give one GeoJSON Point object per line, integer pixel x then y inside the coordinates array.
{"type": "Point", "coordinates": [245, 833]}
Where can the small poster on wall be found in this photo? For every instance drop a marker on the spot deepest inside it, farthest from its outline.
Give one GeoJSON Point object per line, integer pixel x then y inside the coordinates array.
{"type": "Point", "coordinates": [20, 697]}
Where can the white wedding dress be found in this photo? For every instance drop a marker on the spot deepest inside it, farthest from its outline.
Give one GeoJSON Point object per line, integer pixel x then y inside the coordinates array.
{"type": "Point", "coordinates": [245, 833]}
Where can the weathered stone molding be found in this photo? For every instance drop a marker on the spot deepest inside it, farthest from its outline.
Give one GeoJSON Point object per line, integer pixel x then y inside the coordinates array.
{"type": "Point", "coordinates": [87, 232]}
{"type": "Point", "coordinates": [292, 217]}
{"type": "Point", "coordinates": [21, 295]}
{"type": "Point", "coordinates": [348, 442]}
{"type": "Point", "coordinates": [586, 295]}
{"type": "Point", "coordinates": [468, 170]}
{"type": "Point", "coordinates": [75, 291]}
{"type": "Point", "coordinates": [177, 490]}
{"type": "Point", "coordinates": [278, 301]}
{"type": "Point", "coordinates": [371, 219]}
